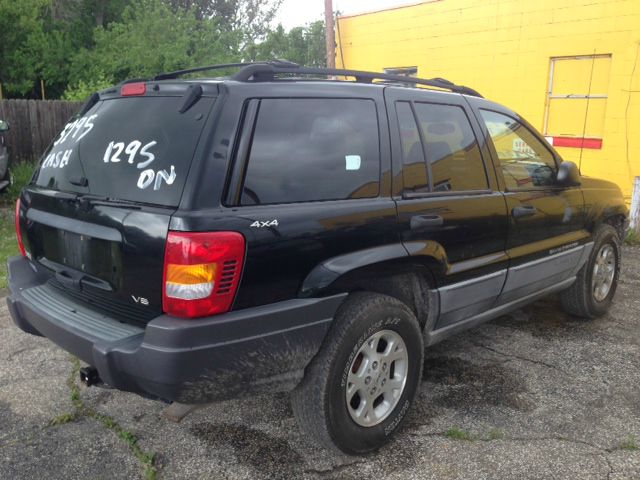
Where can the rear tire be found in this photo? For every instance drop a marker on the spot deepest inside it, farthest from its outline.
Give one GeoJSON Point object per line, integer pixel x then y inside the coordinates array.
{"type": "Point", "coordinates": [592, 293]}
{"type": "Point", "coordinates": [358, 388]}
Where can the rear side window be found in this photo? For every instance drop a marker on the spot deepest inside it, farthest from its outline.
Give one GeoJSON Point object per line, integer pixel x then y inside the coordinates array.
{"type": "Point", "coordinates": [137, 149]}
{"type": "Point", "coordinates": [313, 149]}
{"type": "Point", "coordinates": [452, 150]}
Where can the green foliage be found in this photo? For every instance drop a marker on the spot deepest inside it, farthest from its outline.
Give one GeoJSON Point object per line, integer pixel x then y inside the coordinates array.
{"type": "Point", "coordinates": [302, 45]}
{"type": "Point", "coordinates": [633, 237]}
{"type": "Point", "coordinates": [8, 242]}
{"type": "Point", "coordinates": [150, 39]}
{"type": "Point", "coordinates": [22, 173]}
{"type": "Point", "coordinates": [457, 434]}
{"type": "Point", "coordinates": [62, 419]}
{"type": "Point", "coordinates": [81, 89]}
{"type": "Point", "coordinates": [80, 46]}
{"type": "Point", "coordinates": [22, 37]}
{"type": "Point", "coordinates": [629, 443]}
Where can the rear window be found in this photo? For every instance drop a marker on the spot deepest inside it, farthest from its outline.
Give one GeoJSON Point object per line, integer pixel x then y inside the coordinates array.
{"type": "Point", "coordinates": [313, 149]}
{"type": "Point", "coordinates": [137, 148]}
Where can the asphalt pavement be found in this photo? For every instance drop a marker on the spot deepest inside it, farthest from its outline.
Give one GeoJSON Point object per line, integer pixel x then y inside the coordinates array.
{"type": "Point", "coordinates": [535, 394]}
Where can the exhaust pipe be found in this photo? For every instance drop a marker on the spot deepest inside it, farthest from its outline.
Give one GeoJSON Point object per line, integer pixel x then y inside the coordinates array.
{"type": "Point", "coordinates": [89, 376]}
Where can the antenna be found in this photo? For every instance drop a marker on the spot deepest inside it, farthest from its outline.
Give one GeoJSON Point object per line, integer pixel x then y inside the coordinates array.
{"type": "Point", "coordinates": [586, 111]}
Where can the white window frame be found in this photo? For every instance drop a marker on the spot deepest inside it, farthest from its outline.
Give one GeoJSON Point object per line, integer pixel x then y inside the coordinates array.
{"type": "Point", "coordinates": [551, 95]}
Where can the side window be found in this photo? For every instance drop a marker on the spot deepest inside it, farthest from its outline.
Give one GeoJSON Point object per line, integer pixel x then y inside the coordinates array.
{"type": "Point", "coordinates": [452, 149]}
{"type": "Point", "coordinates": [524, 160]}
{"type": "Point", "coordinates": [414, 170]}
{"type": "Point", "coordinates": [313, 149]}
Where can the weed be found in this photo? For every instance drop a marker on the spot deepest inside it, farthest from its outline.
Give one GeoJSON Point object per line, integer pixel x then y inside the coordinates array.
{"type": "Point", "coordinates": [22, 173]}
{"type": "Point", "coordinates": [62, 419]}
{"type": "Point", "coordinates": [145, 458]}
{"type": "Point", "coordinates": [495, 434]}
{"type": "Point", "coordinates": [458, 434]}
{"type": "Point", "coordinates": [633, 237]}
{"type": "Point", "coordinates": [629, 443]}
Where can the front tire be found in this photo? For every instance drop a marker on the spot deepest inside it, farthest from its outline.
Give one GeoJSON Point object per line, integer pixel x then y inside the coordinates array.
{"type": "Point", "coordinates": [358, 388]}
{"type": "Point", "coordinates": [592, 293]}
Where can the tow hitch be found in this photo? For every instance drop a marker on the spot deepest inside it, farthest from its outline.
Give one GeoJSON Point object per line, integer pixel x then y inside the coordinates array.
{"type": "Point", "coordinates": [89, 376]}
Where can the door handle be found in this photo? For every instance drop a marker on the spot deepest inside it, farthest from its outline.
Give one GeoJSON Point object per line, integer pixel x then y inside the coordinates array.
{"type": "Point", "coordinates": [421, 221]}
{"type": "Point", "coordinates": [524, 211]}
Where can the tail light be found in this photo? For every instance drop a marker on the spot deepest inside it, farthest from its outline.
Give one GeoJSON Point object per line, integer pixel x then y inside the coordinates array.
{"type": "Point", "coordinates": [18, 232]}
{"type": "Point", "coordinates": [201, 272]}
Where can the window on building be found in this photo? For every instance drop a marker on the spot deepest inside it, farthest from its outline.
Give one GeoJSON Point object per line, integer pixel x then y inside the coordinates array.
{"type": "Point", "coordinates": [525, 161]}
{"type": "Point", "coordinates": [453, 154]}
{"type": "Point", "coordinates": [404, 71]}
{"type": "Point", "coordinates": [313, 149]}
{"type": "Point", "coordinates": [577, 100]}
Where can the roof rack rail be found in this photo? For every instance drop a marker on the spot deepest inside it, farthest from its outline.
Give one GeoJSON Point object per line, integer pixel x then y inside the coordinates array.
{"type": "Point", "coordinates": [266, 71]}
{"type": "Point", "coordinates": [179, 73]}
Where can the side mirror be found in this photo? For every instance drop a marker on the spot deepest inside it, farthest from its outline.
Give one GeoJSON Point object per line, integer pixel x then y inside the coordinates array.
{"type": "Point", "coordinates": [4, 126]}
{"type": "Point", "coordinates": [568, 175]}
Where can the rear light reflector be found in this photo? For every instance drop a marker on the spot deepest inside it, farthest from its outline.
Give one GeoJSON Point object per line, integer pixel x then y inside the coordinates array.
{"type": "Point", "coordinates": [201, 272]}
{"type": "Point", "coordinates": [138, 88]}
{"type": "Point", "coordinates": [18, 232]}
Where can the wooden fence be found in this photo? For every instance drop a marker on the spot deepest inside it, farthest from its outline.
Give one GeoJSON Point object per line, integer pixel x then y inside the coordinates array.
{"type": "Point", "coordinates": [34, 124]}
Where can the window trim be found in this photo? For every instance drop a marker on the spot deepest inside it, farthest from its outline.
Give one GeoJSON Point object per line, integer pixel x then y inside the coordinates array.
{"type": "Point", "coordinates": [550, 96]}
{"type": "Point", "coordinates": [494, 151]}
{"type": "Point", "coordinates": [431, 193]}
{"type": "Point", "coordinates": [240, 156]}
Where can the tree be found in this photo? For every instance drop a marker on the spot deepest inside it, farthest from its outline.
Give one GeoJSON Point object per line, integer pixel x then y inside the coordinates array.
{"type": "Point", "coordinates": [21, 39]}
{"type": "Point", "coordinates": [149, 39]}
{"type": "Point", "coordinates": [250, 17]}
{"type": "Point", "coordinates": [302, 45]}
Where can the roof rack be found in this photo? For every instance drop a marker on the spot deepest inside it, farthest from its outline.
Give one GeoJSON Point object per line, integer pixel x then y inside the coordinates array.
{"type": "Point", "coordinates": [179, 73]}
{"type": "Point", "coordinates": [266, 71]}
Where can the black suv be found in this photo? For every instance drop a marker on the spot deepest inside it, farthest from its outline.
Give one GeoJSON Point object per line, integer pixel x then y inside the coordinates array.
{"type": "Point", "coordinates": [194, 240]}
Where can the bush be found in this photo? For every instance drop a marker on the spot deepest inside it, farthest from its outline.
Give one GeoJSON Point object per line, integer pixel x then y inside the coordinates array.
{"type": "Point", "coordinates": [79, 91]}
{"type": "Point", "coordinates": [22, 173]}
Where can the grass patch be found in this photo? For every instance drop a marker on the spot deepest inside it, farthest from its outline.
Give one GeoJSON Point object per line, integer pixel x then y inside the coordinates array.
{"type": "Point", "coordinates": [22, 173]}
{"type": "Point", "coordinates": [458, 434]}
{"type": "Point", "coordinates": [495, 434]}
{"type": "Point", "coordinates": [62, 419]}
{"type": "Point", "coordinates": [633, 237]}
{"type": "Point", "coordinates": [8, 242]}
{"type": "Point", "coordinates": [145, 458]}
{"type": "Point", "coordinates": [629, 443]}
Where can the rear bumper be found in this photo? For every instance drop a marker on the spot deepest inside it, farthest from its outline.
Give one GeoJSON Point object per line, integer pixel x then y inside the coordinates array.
{"type": "Point", "coordinates": [191, 361]}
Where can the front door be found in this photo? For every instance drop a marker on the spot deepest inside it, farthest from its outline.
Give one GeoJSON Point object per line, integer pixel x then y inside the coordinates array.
{"type": "Point", "coordinates": [546, 222]}
{"type": "Point", "coordinates": [449, 206]}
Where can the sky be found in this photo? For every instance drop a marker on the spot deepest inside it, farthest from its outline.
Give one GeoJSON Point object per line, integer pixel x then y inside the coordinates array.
{"type": "Point", "coordinates": [295, 13]}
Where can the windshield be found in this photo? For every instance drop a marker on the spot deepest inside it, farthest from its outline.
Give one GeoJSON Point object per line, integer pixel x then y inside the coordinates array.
{"type": "Point", "coordinates": [135, 148]}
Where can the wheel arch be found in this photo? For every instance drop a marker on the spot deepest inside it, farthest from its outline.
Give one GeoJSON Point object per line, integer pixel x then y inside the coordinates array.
{"type": "Point", "coordinates": [388, 270]}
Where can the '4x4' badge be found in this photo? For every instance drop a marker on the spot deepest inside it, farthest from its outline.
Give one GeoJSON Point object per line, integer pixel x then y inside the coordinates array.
{"type": "Point", "coordinates": [268, 223]}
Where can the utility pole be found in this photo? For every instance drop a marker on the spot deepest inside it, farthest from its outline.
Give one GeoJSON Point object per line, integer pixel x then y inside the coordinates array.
{"type": "Point", "coordinates": [330, 34]}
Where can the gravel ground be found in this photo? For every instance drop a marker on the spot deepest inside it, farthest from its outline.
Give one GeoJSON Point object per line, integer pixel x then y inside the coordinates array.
{"type": "Point", "coordinates": [535, 394]}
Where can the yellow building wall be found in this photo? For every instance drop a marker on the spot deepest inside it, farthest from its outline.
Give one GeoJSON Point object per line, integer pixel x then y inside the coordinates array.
{"type": "Point", "coordinates": [503, 49]}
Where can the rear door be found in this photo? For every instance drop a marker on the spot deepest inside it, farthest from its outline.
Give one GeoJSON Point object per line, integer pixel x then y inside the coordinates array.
{"type": "Point", "coordinates": [449, 207]}
{"type": "Point", "coordinates": [96, 215]}
{"type": "Point", "coordinates": [546, 221]}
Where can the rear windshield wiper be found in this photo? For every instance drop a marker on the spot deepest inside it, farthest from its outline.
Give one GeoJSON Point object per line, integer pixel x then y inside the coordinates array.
{"type": "Point", "coordinates": [107, 201]}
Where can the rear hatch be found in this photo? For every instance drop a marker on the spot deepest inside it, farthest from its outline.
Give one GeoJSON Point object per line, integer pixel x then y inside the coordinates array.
{"type": "Point", "coordinates": [99, 204]}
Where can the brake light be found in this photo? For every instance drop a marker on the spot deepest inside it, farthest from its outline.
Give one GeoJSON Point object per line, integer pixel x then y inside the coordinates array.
{"type": "Point", "coordinates": [138, 88]}
{"type": "Point", "coordinates": [18, 232]}
{"type": "Point", "coordinates": [201, 272]}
